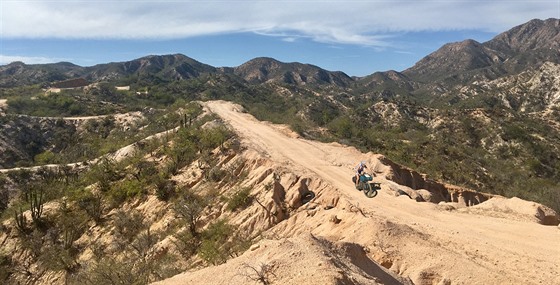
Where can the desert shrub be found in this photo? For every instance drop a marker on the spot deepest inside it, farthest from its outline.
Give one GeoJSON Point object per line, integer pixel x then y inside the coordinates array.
{"type": "Point", "coordinates": [124, 189]}
{"type": "Point", "coordinates": [144, 243]}
{"type": "Point", "coordinates": [57, 258]}
{"type": "Point", "coordinates": [213, 248]}
{"type": "Point", "coordinates": [215, 174]}
{"type": "Point", "coordinates": [261, 273]}
{"type": "Point", "coordinates": [190, 207]}
{"type": "Point", "coordinates": [111, 270]}
{"type": "Point", "coordinates": [55, 249]}
{"type": "Point", "coordinates": [165, 189]}
{"type": "Point", "coordinates": [104, 173]}
{"type": "Point", "coordinates": [32, 242]}
{"type": "Point", "coordinates": [212, 138]}
{"type": "Point", "coordinates": [128, 224]}
{"type": "Point", "coordinates": [186, 243]}
{"type": "Point", "coordinates": [71, 223]}
{"type": "Point", "coordinates": [6, 267]}
{"type": "Point", "coordinates": [45, 157]}
{"type": "Point", "coordinates": [342, 127]}
{"type": "Point", "coordinates": [144, 170]}
{"type": "Point", "coordinates": [240, 199]}
{"type": "Point", "coordinates": [92, 204]}
{"type": "Point", "coordinates": [171, 168]}
{"type": "Point", "coordinates": [183, 150]}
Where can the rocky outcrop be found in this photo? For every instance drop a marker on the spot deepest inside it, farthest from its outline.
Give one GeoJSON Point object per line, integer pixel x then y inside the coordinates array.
{"type": "Point", "coordinates": [437, 191]}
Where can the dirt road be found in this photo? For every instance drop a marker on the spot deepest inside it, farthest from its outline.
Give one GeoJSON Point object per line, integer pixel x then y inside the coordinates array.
{"type": "Point", "coordinates": [422, 240]}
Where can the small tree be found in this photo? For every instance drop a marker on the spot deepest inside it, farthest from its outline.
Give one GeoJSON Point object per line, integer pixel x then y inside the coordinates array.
{"type": "Point", "coordinates": [144, 243]}
{"type": "Point", "coordinates": [92, 204]}
{"type": "Point", "coordinates": [128, 224]}
{"type": "Point", "coordinates": [190, 207]}
{"type": "Point", "coordinates": [260, 273]}
{"type": "Point", "coordinates": [104, 172]}
{"type": "Point", "coordinates": [165, 189]}
{"type": "Point", "coordinates": [215, 247]}
{"type": "Point", "coordinates": [186, 243]}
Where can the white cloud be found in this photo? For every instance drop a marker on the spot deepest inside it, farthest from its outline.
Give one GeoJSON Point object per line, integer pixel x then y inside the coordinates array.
{"type": "Point", "coordinates": [6, 59]}
{"type": "Point", "coordinates": [358, 22]}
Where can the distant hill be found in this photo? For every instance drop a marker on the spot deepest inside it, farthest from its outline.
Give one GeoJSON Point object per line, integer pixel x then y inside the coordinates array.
{"type": "Point", "coordinates": [166, 67]}
{"type": "Point", "coordinates": [19, 73]}
{"type": "Point", "coordinates": [263, 69]}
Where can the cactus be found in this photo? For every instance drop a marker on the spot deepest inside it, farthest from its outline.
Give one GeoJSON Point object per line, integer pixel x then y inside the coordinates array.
{"type": "Point", "coordinates": [21, 221]}
{"type": "Point", "coordinates": [36, 200]}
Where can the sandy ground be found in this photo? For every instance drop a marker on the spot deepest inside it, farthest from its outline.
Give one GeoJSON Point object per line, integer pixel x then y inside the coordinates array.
{"type": "Point", "coordinates": [420, 241]}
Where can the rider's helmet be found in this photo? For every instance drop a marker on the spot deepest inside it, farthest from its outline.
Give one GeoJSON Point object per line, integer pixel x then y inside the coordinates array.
{"type": "Point", "coordinates": [363, 163]}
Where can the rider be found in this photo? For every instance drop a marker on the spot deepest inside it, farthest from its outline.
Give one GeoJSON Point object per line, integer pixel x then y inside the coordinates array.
{"type": "Point", "coordinates": [359, 171]}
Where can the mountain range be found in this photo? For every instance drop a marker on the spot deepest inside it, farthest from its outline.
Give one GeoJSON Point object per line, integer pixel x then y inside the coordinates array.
{"type": "Point", "coordinates": [525, 46]}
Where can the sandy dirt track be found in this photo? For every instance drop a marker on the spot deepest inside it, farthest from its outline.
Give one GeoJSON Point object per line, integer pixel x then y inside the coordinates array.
{"type": "Point", "coordinates": [465, 247]}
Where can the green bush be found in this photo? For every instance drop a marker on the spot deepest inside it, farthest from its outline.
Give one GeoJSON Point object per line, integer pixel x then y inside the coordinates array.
{"type": "Point", "coordinates": [240, 200]}
{"type": "Point", "coordinates": [92, 204]}
{"type": "Point", "coordinates": [124, 189]}
{"type": "Point", "coordinates": [214, 246]}
{"type": "Point", "coordinates": [186, 243]}
{"type": "Point", "coordinates": [128, 224]}
{"type": "Point", "coordinates": [165, 189]}
{"type": "Point", "coordinates": [45, 157]}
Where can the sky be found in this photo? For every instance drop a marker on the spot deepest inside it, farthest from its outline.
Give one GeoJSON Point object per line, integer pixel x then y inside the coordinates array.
{"type": "Point", "coordinates": [358, 37]}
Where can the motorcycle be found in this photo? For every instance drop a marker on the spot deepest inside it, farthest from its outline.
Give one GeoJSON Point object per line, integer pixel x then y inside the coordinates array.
{"type": "Point", "coordinates": [369, 188]}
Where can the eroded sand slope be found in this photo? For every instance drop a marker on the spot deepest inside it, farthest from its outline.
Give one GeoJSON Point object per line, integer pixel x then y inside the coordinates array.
{"type": "Point", "coordinates": [499, 241]}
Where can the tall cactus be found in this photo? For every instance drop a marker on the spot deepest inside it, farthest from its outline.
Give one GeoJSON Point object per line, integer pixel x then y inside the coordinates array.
{"type": "Point", "coordinates": [21, 221]}
{"type": "Point", "coordinates": [36, 201]}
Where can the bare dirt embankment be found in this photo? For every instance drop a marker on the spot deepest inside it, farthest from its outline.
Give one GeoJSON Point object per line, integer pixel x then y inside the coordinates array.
{"type": "Point", "coordinates": [495, 241]}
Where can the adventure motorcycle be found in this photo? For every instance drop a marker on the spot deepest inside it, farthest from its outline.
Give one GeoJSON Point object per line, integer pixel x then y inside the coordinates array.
{"type": "Point", "coordinates": [369, 188]}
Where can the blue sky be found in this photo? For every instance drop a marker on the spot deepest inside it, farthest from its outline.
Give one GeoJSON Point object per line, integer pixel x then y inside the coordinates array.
{"type": "Point", "coordinates": [358, 37]}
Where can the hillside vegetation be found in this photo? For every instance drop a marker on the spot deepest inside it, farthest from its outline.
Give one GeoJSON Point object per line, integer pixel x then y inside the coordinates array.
{"type": "Point", "coordinates": [54, 209]}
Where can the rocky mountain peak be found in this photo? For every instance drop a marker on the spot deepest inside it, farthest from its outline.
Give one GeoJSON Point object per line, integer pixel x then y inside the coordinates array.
{"type": "Point", "coordinates": [452, 58]}
{"type": "Point", "coordinates": [524, 46]}
{"type": "Point", "coordinates": [533, 35]}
